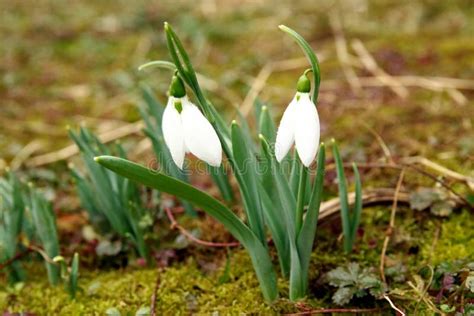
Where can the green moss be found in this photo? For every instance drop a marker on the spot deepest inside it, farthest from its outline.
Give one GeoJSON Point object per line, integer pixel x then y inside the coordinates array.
{"type": "Point", "coordinates": [183, 289]}
{"type": "Point", "coordinates": [455, 241]}
{"type": "Point", "coordinates": [186, 289]}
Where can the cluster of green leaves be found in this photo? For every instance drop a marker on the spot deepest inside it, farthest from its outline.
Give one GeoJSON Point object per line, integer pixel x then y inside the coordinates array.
{"type": "Point", "coordinates": [273, 199]}
{"type": "Point", "coordinates": [12, 209]}
{"type": "Point", "coordinates": [28, 223]}
{"type": "Point", "coordinates": [275, 206]}
{"type": "Point", "coordinates": [352, 281]}
{"type": "Point", "coordinates": [26, 219]}
{"type": "Point", "coordinates": [114, 204]}
{"type": "Point", "coordinates": [434, 199]}
{"type": "Point", "coordinates": [350, 217]}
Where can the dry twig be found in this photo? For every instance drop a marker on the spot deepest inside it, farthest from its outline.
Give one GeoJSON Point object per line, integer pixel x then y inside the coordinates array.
{"type": "Point", "coordinates": [262, 77]}
{"type": "Point", "coordinates": [386, 297]}
{"type": "Point", "coordinates": [154, 297]}
{"type": "Point", "coordinates": [440, 169]}
{"type": "Point", "coordinates": [369, 62]}
{"type": "Point", "coordinates": [71, 150]}
{"type": "Point", "coordinates": [343, 54]}
{"type": "Point", "coordinates": [391, 226]}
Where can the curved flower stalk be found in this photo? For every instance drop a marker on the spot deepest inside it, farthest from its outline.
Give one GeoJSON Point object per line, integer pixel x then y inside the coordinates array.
{"type": "Point", "coordinates": [299, 125]}
{"type": "Point", "coordinates": [185, 129]}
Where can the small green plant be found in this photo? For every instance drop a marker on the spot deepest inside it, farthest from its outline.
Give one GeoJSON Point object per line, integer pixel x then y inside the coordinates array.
{"type": "Point", "coordinates": [70, 275]}
{"type": "Point", "coordinates": [46, 233]}
{"type": "Point", "coordinates": [27, 224]}
{"type": "Point", "coordinates": [114, 204]}
{"type": "Point", "coordinates": [352, 281]}
{"type": "Point", "coordinates": [350, 218]}
{"type": "Point", "coordinates": [12, 210]}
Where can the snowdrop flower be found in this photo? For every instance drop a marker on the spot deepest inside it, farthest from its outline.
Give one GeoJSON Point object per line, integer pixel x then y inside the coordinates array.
{"type": "Point", "coordinates": [185, 129]}
{"type": "Point", "coordinates": [300, 125]}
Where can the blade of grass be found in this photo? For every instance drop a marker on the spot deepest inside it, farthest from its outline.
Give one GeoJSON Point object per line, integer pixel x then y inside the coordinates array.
{"type": "Point", "coordinates": [358, 204]}
{"type": "Point", "coordinates": [345, 211]}
{"type": "Point", "coordinates": [246, 173]}
{"type": "Point", "coordinates": [307, 234]}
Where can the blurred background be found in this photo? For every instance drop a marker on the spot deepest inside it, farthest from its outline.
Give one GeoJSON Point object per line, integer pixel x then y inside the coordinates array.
{"type": "Point", "coordinates": [400, 72]}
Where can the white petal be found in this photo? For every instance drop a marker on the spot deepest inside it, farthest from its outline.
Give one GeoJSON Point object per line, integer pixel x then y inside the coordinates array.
{"type": "Point", "coordinates": [200, 137]}
{"type": "Point", "coordinates": [286, 131]}
{"type": "Point", "coordinates": [307, 130]}
{"type": "Point", "coordinates": [173, 132]}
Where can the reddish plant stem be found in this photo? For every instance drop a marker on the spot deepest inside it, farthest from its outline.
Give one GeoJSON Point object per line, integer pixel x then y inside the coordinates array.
{"type": "Point", "coordinates": [154, 297]}
{"type": "Point", "coordinates": [18, 256]}
{"type": "Point", "coordinates": [175, 225]}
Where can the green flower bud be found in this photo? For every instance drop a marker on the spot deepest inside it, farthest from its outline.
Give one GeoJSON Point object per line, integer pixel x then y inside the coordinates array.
{"type": "Point", "coordinates": [177, 88]}
{"type": "Point", "coordinates": [303, 85]}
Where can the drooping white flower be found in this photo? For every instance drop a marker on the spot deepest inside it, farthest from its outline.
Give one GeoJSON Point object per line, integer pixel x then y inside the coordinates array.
{"type": "Point", "coordinates": [300, 125]}
{"type": "Point", "coordinates": [186, 130]}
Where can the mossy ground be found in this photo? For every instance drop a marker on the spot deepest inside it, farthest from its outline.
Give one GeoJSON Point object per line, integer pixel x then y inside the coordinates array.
{"type": "Point", "coordinates": [186, 288]}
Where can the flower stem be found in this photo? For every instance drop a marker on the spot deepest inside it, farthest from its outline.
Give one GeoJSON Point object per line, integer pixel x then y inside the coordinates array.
{"type": "Point", "coordinates": [300, 198]}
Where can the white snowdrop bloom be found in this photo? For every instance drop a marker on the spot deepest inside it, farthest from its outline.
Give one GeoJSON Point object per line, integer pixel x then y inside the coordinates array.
{"type": "Point", "coordinates": [186, 130]}
{"type": "Point", "coordinates": [300, 125]}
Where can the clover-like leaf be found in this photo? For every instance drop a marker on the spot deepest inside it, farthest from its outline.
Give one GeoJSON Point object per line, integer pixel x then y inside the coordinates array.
{"type": "Point", "coordinates": [423, 198]}
{"type": "Point", "coordinates": [343, 295]}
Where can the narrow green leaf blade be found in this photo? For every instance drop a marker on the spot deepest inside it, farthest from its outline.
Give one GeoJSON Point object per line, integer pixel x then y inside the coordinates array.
{"type": "Point", "coordinates": [280, 182]}
{"type": "Point", "coordinates": [358, 203]}
{"type": "Point", "coordinates": [345, 211]}
{"type": "Point", "coordinates": [266, 125]}
{"type": "Point", "coordinates": [246, 174]}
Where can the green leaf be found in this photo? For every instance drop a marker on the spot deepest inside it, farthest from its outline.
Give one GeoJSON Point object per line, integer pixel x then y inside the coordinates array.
{"type": "Point", "coordinates": [266, 125]}
{"type": "Point", "coordinates": [295, 173]}
{"type": "Point", "coordinates": [423, 198]}
{"type": "Point", "coordinates": [273, 218]}
{"type": "Point", "coordinates": [257, 251]}
{"type": "Point", "coordinates": [185, 68]}
{"type": "Point", "coordinates": [221, 179]}
{"type": "Point", "coordinates": [45, 226]}
{"type": "Point", "coordinates": [343, 295]}
{"type": "Point", "coordinates": [74, 276]}
{"type": "Point", "coordinates": [313, 60]}
{"type": "Point", "coordinates": [345, 211]}
{"type": "Point", "coordinates": [246, 174]}
{"type": "Point", "coordinates": [307, 234]}
{"type": "Point", "coordinates": [280, 183]}
{"type": "Point", "coordinates": [355, 220]}
{"type": "Point", "coordinates": [301, 198]}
